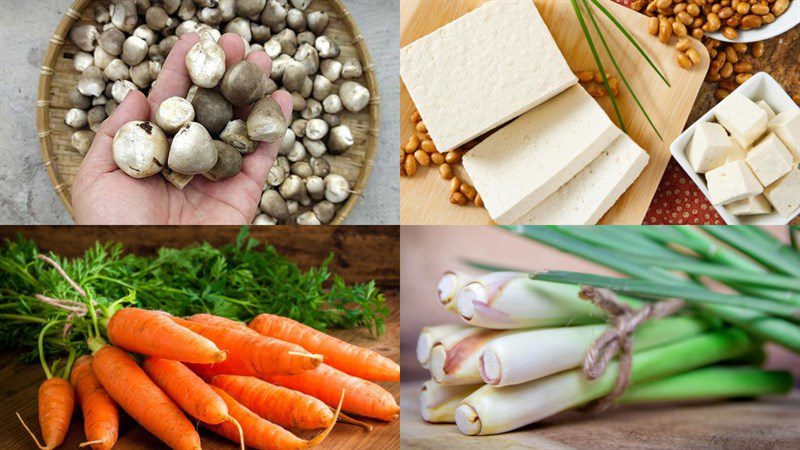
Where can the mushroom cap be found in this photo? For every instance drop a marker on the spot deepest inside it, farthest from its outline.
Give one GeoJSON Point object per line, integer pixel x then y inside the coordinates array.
{"type": "Point", "coordinates": [212, 110]}
{"type": "Point", "coordinates": [354, 96]}
{"type": "Point", "coordinates": [205, 63]}
{"type": "Point", "coordinates": [173, 114]}
{"type": "Point", "coordinates": [244, 83]}
{"type": "Point", "coordinates": [266, 122]}
{"type": "Point", "coordinates": [140, 149]}
{"type": "Point", "coordinates": [192, 151]}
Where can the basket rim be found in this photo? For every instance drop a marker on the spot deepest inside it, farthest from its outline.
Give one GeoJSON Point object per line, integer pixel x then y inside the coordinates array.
{"type": "Point", "coordinates": [73, 15]}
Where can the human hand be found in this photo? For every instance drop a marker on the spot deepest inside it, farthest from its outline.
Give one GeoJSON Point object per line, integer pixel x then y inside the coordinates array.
{"type": "Point", "coordinates": [104, 194]}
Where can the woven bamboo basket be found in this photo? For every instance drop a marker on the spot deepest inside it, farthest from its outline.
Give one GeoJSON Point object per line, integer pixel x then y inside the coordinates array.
{"type": "Point", "coordinates": [58, 77]}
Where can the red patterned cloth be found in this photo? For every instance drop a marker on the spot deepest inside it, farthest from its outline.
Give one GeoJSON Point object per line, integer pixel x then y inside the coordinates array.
{"type": "Point", "coordinates": [678, 200]}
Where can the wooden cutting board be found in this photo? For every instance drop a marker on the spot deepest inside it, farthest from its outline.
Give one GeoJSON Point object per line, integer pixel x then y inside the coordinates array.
{"type": "Point", "coordinates": [424, 197]}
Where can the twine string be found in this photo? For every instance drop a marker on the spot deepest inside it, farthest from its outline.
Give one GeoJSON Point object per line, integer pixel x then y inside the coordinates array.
{"type": "Point", "coordinates": [61, 272]}
{"type": "Point", "coordinates": [618, 339]}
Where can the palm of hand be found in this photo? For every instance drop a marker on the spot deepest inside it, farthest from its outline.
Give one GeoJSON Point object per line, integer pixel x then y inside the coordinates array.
{"type": "Point", "coordinates": [104, 194]}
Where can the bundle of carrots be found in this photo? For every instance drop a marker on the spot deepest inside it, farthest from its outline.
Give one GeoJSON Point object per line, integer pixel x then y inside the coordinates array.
{"type": "Point", "coordinates": [249, 384]}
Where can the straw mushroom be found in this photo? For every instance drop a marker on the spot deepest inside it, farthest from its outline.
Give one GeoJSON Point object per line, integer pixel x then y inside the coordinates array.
{"type": "Point", "coordinates": [332, 104]}
{"type": "Point", "coordinates": [266, 122]}
{"type": "Point", "coordinates": [331, 69]}
{"type": "Point", "coordinates": [340, 139]}
{"type": "Point", "coordinates": [192, 151]}
{"type": "Point", "coordinates": [273, 13]}
{"type": "Point", "coordinates": [337, 188]}
{"type": "Point", "coordinates": [276, 175]}
{"type": "Point", "coordinates": [101, 13]}
{"type": "Point", "coordinates": [315, 187]}
{"type": "Point", "coordinates": [297, 153]}
{"type": "Point", "coordinates": [294, 74]}
{"type": "Point", "coordinates": [82, 140]}
{"type": "Point", "coordinates": [205, 62]}
{"type": "Point", "coordinates": [229, 163]}
{"type": "Point", "coordinates": [351, 68]}
{"type": "Point", "coordinates": [112, 41]}
{"type": "Point", "coordinates": [92, 83]}
{"type": "Point", "coordinates": [248, 8]}
{"type": "Point", "coordinates": [300, 4]}
{"type": "Point", "coordinates": [111, 106]}
{"type": "Point", "coordinates": [82, 60]}
{"type": "Point", "coordinates": [274, 204]}
{"type": "Point", "coordinates": [293, 188]}
{"type": "Point", "coordinates": [263, 219]}
{"type": "Point", "coordinates": [244, 83]}
{"type": "Point", "coordinates": [316, 129]}
{"type": "Point", "coordinates": [309, 57]}
{"type": "Point", "coordinates": [177, 179]}
{"type": "Point", "coordinates": [313, 109]}
{"type": "Point", "coordinates": [302, 169]}
{"type": "Point", "coordinates": [210, 16]}
{"type": "Point", "coordinates": [86, 37]}
{"type": "Point", "coordinates": [308, 218]}
{"type": "Point", "coordinates": [235, 134]}
{"type": "Point", "coordinates": [288, 40]}
{"type": "Point", "coordinates": [288, 141]}
{"type": "Point", "coordinates": [76, 118]}
{"type": "Point", "coordinates": [78, 100]}
{"type": "Point", "coordinates": [306, 37]}
{"type": "Point", "coordinates": [212, 110]}
{"type": "Point", "coordinates": [124, 15]}
{"type": "Point", "coordinates": [240, 26]}
{"type": "Point", "coordinates": [296, 20]}
{"type": "Point", "coordinates": [121, 89]}
{"type": "Point", "coordinates": [140, 149]}
{"type": "Point", "coordinates": [318, 21]}
{"type": "Point", "coordinates": [324, 211]}
{"type": "Point", "coordinates": [323, 87]}
{"type": "Point", "coordinates": [173, 114]}
{"type": "Point", "coordinates": [355, 97]}
{"type": "Point", "coordinates": [320, 166]}
{"type": "Point", "coordinates": [314, 148]}
{"type": "Point", "coordinates": [134, 50]}
{"type": "Point", "coordinates": [326, 47]}
{"type": "Point", "coordinates": [141, 76]}
{"type": "Point", "coordinates": [333, 120]}
{"type": "Point", "coordinates": [146, 34]}
{"type": "Point", "coordinates": [95, 117]}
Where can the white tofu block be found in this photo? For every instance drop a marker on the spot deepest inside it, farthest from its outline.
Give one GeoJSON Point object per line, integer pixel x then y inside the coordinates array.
{"type": "Point", "coordinates": [769, 159]}
{"type": "Point", "coordinates": [750, 206]}
{"type": "Point", "coordinates": [784, 194]}
{"type": "Point", "coordinates": [763, 105]}
{"type": "Point", "coordinates": [592, 192]}
{"type": "Point", "coordinates": [526, 161]}
{"type": "Point", "coordinates": [738, 153]}
{"type": "Point", "coordinates": [787, 126]}
{"type": "Point", "coordinates": [709, 148]}
{"type": "Point", "coordinates": [731, 182]}
{"type": "Point", "coordinates": [482, 70]}
{"type": "Point", "coordinates": [743, 119]}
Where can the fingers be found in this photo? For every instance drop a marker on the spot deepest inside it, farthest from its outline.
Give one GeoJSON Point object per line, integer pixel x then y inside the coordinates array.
{"type": "Point", "coordinates": [99, 158]}
{"type": "Point", "coordinates": [173, 80]}
{"type": "Point", "coordinates": [234, 48]}
{"type": "Point", "coordinates": [257, 164]}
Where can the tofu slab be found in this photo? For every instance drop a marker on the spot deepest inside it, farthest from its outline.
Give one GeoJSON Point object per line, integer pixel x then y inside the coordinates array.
{"type": "Point", "coordinates": [482, 70]}
{"type": "Point", "coordinates": [786, 126]}
{"type": "Point", "coordinates": [750, 206]}
{"type": "Point", "coordinates": [769, 159]}
{"type": "Point", "coordinates": [743, 119]}
{"type": "Point", "coordinates": [784, 194]}
{"type": "Point", "coordinates": [525, 162]}
{"type": "Point", "coordinates": [765, 106]}
{"type": "Point", "coordinates": [709, 148]}
{"type": "Point", "coordinates": [587, 197]}
{"type": "Point", "coordinates": [732, 182]}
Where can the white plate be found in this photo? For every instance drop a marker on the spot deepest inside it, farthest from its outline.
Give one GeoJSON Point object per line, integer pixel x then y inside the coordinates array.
{"type": "Point", "coordinates": [759, 87]}
{"type": "Point", "coordinates": [782, 24]}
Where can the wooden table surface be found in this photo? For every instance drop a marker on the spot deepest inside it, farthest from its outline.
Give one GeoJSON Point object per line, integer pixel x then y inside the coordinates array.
{"type": "Point", "coordinates": [767, 423]}
{"type": "Point", "coordinates": [360, 251]}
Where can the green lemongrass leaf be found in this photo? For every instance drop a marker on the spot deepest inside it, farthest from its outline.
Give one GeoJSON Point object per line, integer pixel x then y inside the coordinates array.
{"type": "Point", "coordinates": [621, 75]}
{"type": "Point", "coordinates": [631, 39]}
{"type": "Point", "coordinates": [691, 294]}
{"type": "Point", "coordinates": [794, 230]}
{"type": "Point", "coordinates": [490, 267]}
{"type": "Point", "coordinates": [744, 241]}
{"type": "Point", "coordinates": [599, 63]}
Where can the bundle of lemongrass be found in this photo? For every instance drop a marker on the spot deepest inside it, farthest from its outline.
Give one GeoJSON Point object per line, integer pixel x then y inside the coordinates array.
{"type": "Point", "coordinates": [517, 357]}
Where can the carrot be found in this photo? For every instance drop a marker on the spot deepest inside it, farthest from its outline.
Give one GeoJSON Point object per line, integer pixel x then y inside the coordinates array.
{"type": "Point", "coordinates": [56, 403]}
{"type": "Point", "coordinates": [363, 397]}
{"type": "Point", "coordinates": [210, 319]}
{"type": "Point", "coordinates": [350, 359]}
{"type": "Point", "coordinates": [253, 354]}
{"type": "Point", "coordinates": [277, 404]}
{"type": "Point", "coordinates": [100, 413]}
{"type": "Point", "coordinates": [261, 433]}
{"type": "Point", "coordinates": [153, 333]}
{"type": "Point", "coordinates": [189, 391]}
{"type": "Point", "coordinates": [130, 387]}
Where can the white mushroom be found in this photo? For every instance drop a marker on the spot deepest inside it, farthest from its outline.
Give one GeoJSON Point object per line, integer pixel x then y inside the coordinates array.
{"type": "Point", "coordinates": [355, 97]}
{"type": "Point", "coordinates": [332, 104]}
{"type": "Point", "coordinates": [308, 218]}
{"type": "Point", "coordinates": [82, 60]}
{"type": "Point", "coordinates": [205, 62]}
{"type": "Point", "coordinates": [316, 129]}
{"type": "Point", "coordinates": [192, 151]}
{"type": "Point", "coordinates": [235, 134]}
{"type": "Point", "coordinates": [85, 37]}
{"type": "Point", "coordinates": [351, 68]}
{"type": "Point", "coordinates": [331, 69]}
{"type": "Point", "coordinates": [134, 50]}
{"type": "Point", "coordinates": [340, 139]}
{"type": "Point", "coordinates": [82, 140]}
{"type": "Point", "coordinates": [337, 188]}
{"type": "Point", "coordinates": [76, 118]}
{"type": "Point", "coordinates": [210, 16]}
{"type": "Point", "coordinates": [140, 149]}
{"type": "Point", "coordinates": [117, 70]}
{"type": "Point", "coordinates": [326, 47]}
{"type": "Point", "coordinates": [121, 89]}
{"type": "Point", "coordinates": [173, 114]}
{"type": "Point", "coordinates": [266, 122]}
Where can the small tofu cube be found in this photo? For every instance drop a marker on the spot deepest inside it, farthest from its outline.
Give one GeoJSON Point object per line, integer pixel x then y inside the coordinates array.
{"type": "Point", "coordinates": [709, 147]}
{"type": "Point", "coordinates": [763, 105]}
{"type": "Point", "coordinates": [738, 153]}
{"type": "Point", "coordinates": [742, 118]}
{"type": "Point", "coordinates": [731, 182]}
{"type": "Point", "coordinates": [750, 206]}
{"type": "Point", "coordinates": [787, 126]}
{"type": "Point", "coordinates": [784, 194]}
{"type": "Point", "coordinates": [769, 159]}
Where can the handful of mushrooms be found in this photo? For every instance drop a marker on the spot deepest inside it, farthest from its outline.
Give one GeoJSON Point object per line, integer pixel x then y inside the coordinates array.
{"type": "Point", "coordinates": [199, 135]}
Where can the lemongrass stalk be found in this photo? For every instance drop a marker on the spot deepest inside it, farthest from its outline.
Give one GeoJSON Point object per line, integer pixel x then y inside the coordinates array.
{"type": "Point", "coordinates": [507, 300]}
{"type": "Point", "coordinates": [535, 354]}
{"type": "Point", "coordinates": [711, 383]}
{"type": "Point", "coordinates": [621, 240]}
{"type": "Point", "coordinates": [455, 359]}
{"type": "Point", "coordinates": [653, 289]}
{"type": "Point", "coordinates": [449, 286]}
{"type": "Point", "coordinates": [438, 402]}
{"type": "Point", "coordinates": [491, 410]}
{"type": "Point", "coordinates": [428, 336]}
{"type": "Point", "coordinates": [745, 243]}
{"type": "Point", "coordinates": [761, 325]}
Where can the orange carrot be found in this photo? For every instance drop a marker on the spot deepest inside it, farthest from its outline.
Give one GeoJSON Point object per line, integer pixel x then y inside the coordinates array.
{"type": "Point", "coordinates": [56, 403]}
{"type": "Point", "coordinates": [100, 413]}
{"type": "Point", "coordinates": [363, 397]}
{"type": "Point", "coordinates": [350, 359]}
{"type": "Point", "coordinates": [260, 433]}
{"type": "Point", "coordinates": [189, 391]}
{"type": "Point", "coordinates": [130, 387]}
{"type": "Point", "coordinates": [154, 333]}
{"type": "Point", "coordinates": [279, 405]}
{"type": "Point", "coordinates": [253, 354]}
{"type": "Point", "coordinates": [210, 319]}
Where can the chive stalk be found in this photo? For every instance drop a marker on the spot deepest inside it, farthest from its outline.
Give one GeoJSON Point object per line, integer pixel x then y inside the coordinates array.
{"type": "Point", "coordinates": [438, 402]}
{"type": "Point", "coordinates": [744, 242]}
{"type": "Point", "coordinates": [429, 336]}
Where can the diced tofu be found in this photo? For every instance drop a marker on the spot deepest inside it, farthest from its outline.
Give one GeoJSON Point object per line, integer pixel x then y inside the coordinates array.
{"type": "Point", "coordinates": [709, 148]}
{"type": "Point", "coordinates": [784, 194]}
{"type": "Point", "coordinates": [482, 70]}
{"type": "Point", "coordinates": [787, 126]}
{"type": "Point", "coordinates": [742, 118]}
{"type": "Point", "coordinates": [769, 159]}
{"type": "Point", "coordinates": [526, 161]}
{"type": "Point", "coordinates": [738, 153]}
{"type": "Point", "coordinates": [750, 206]}
{"type": "Point", "coordinates": [763, 105]}
{"type": "Point", "coordinates": [731, 182]}
{"type": "Point", "coordinates": [591, 193]}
